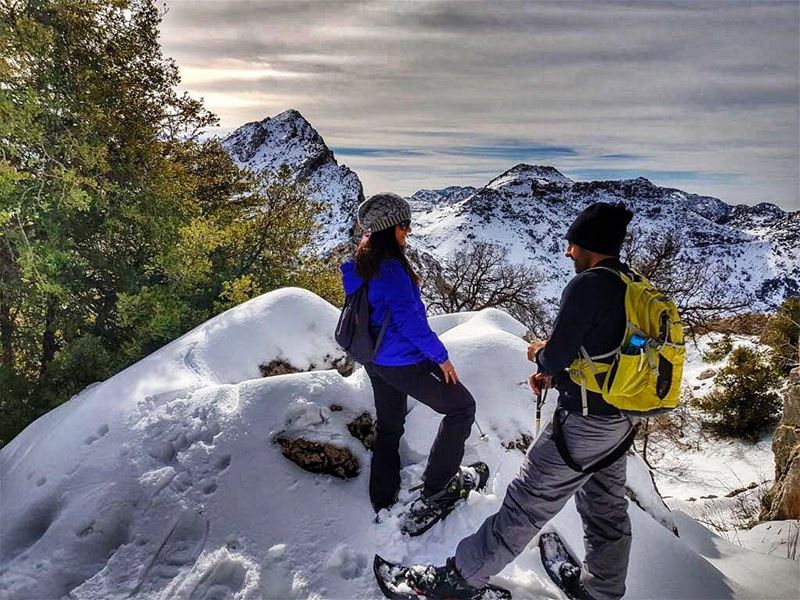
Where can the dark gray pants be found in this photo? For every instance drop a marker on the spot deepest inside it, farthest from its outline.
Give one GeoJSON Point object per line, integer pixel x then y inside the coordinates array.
{"type": "Point", "coordinates": [544, 485]}
{"type": "Point", "coordinates": [424, 381]}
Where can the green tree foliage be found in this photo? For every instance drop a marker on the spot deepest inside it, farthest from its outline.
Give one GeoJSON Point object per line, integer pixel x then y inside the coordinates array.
{"type": "Point", "coordinates": [744, 401]}
{"type": "Point", "coordinates": [120, 227]}
{"type": "Point", "coordinates": [781, 335]}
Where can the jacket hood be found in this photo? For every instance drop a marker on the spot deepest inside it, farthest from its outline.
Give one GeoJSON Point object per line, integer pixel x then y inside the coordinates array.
{"type": "Point", "coordinates": [351, 280]}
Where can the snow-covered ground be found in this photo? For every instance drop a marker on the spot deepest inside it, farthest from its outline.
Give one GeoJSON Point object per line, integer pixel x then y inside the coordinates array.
{"type": "Point", "coordinates": [165, 482]}
{"type": "Point", "coordinates": [703, 465]}
{"type": "Point", "coordinates": [719, 482]}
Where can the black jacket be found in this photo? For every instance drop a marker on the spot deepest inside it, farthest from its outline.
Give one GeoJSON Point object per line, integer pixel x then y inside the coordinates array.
{"type": "Point", "coordinates": [591, 314]}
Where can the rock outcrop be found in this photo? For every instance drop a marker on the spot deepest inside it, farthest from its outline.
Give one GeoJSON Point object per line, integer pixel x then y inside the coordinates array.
{"type": "Point", "coordinates": [783, 501]}
{"type": "Point", "coordinates": [320, 457]}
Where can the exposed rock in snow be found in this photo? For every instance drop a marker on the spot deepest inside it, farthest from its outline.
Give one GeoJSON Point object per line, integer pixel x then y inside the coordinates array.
{"type": "Point", "coordinates": [319, 457]}
{"type": "Point", "coordinates": [363, 429]}
{"type": "Point", "coordinates": [707, 374]}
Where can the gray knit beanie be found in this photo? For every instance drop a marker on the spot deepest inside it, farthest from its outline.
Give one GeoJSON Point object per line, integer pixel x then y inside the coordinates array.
{"type": "Point", "coordinates": [382, 211]}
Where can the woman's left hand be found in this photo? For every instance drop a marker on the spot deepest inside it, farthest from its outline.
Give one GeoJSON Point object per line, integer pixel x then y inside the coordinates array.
{"type": "Point", "coordinates": [449, 371]}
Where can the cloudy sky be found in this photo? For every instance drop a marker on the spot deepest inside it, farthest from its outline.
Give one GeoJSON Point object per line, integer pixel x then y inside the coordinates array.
{"type": "Point", "coordinates": [703, 96]}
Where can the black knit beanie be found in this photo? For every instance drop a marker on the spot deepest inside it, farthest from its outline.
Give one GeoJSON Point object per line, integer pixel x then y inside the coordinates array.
{"type": "Point", "coordinates": [600, 228]}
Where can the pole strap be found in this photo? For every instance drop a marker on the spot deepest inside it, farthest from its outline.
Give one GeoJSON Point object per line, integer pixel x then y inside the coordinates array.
{"type": "Point", "coordinates": [613, 456]}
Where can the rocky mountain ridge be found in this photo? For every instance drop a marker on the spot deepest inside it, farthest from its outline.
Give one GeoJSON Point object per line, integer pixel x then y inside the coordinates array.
{"type": "Point", "coordinates": [529, 207]}
{"type": "Point", "coordinates": [291, 140]}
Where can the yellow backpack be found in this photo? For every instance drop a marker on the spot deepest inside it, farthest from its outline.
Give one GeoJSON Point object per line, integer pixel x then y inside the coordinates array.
{"type": "Point", "coordinates": [643, 375]}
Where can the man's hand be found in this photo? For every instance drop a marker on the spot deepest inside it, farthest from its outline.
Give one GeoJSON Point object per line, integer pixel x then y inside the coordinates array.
{"type": "Point", "coordinates": [449, 371]}
{"type": "Point", "coordinates": [539, 382]}
{"type": "Point", "coordinates": [533, 348]}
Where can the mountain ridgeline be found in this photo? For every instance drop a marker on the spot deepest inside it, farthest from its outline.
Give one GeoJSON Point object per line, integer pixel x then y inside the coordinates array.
{"type": "Point", "coordinates": [754, 249]}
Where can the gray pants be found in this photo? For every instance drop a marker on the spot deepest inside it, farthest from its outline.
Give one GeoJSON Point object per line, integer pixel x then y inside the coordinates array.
{"type": "Point", "coordinates": [544, 485]}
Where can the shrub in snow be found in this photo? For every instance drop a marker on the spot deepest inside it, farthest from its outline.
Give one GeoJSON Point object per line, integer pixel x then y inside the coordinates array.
{"type": "Point", "coordinates": [744, 402]}
{"type": "Point", "coordinates": [483, 276]}
{"type": "Point", "coordinates": [719, 349]}
{"type": "Point", "coordinates": [781, 335]}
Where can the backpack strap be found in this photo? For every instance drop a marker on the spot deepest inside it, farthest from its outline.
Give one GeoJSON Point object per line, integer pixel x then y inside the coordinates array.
{"type": "Point", "coordinates": [384, 325]}
{"type": "Point", "coordinates": [621, 274]}
{"type": "Point", "coordinates": [383, 329]}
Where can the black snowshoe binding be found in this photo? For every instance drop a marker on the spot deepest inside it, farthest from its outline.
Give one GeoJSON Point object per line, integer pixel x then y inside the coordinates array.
{"type": "Point", "coordinates": [426, 511]}
{"type": "Point", "coordinates": [426, 581]}
{"type": "Point", "coordinates": [562, 567]}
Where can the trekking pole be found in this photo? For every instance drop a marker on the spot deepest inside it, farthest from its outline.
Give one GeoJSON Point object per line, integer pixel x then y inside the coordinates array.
{"type": "Point", "coordinates": [540, 398]}
{"type": "Point", "coordinates": [483, 437]}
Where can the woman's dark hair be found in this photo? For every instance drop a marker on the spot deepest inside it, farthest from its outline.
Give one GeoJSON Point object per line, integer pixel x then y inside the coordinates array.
{"type": "Point", "coordinates": [377, 247]}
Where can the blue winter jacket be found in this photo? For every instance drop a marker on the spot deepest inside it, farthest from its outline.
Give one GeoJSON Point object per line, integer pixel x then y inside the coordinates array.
{"type": "Point", "coordinates": [408, 338]}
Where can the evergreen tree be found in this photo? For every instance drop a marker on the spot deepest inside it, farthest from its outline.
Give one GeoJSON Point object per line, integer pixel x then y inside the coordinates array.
{"type": "Point", "coordinates": [120, 228]}
{"type": "Point", "coordinates": [744, 401]}
{"type": "Point", "coordinates": [781, 335]}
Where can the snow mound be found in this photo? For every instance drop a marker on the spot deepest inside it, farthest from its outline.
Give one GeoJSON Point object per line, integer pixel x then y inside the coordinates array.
{"type": "Point", "coordinates": [488, 317]}
{"type": "Point", "coordinates": [289, 325]}
{"type": "Point", "coordinates": [165, 481]}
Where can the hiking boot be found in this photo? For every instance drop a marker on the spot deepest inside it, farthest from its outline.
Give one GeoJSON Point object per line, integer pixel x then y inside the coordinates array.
{"type": "Point", "coordinates": [472, 477]}
{"type": "Point", "coordinates": [440, 582]}
{"type": "Point", "coordinates": [427, 510]}
{"type": "Point", "coordinates": [571, 582]}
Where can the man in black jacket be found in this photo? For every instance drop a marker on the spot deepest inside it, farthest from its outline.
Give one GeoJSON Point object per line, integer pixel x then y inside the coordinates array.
{"type": "Point", "coordinates": [581, 453]}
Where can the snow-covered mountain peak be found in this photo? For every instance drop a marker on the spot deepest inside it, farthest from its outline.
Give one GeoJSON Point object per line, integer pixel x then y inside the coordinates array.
{"type": "Point", "coordinates": [528, 208]}
{"type": "Point", "coordinates": [524, 175]}
{"type": "Point", "coordinates": [289, 139]}
{"type": "Point", "coordinates": [263, 141]}
{"type": "Point", "coordinates": [424, 199]}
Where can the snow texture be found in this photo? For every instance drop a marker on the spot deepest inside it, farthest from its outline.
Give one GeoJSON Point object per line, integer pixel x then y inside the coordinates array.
{"type": "Point", "coordinates": [165, 482]}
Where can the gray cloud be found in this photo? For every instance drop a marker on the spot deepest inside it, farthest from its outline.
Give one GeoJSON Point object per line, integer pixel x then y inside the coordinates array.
{"type": "Point", "coordinates": [701, 87]}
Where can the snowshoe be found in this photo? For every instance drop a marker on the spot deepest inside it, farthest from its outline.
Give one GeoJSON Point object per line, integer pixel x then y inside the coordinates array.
{"type": "Point", "coordinates": [562, 567]}
{"type": "Point", "coordinates": [426, 511]}
{"type": "Point", "coordinates": [426, 581]}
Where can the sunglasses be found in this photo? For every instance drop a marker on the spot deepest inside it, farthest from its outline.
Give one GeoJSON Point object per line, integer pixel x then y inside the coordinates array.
{"type": "Point", "coordinates": [405, 225]}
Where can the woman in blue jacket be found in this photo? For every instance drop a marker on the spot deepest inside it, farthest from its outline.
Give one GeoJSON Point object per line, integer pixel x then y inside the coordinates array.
{"type": "Point", "coordinates": [411, 359]}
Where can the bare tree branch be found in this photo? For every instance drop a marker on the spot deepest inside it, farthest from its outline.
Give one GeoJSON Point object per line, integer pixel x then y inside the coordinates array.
{"type": "Point", "coordinates": [482, 276]}
{"type": "Point", "coordinates": [703, 291]}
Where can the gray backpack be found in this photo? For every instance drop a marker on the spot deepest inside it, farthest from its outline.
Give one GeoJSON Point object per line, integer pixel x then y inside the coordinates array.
{"type": "Point", "coordinates": [353, 331]}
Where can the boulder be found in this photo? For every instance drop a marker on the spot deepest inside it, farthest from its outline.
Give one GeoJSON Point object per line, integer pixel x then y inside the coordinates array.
{"type": "Point", "coordinates": [707, 374]}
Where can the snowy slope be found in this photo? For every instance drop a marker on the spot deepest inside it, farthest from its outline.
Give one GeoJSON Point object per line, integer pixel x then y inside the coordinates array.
{"type": "Point", "coordinates": [288, 139]}
{"type": "Point", "coordinates": [164, 481]}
